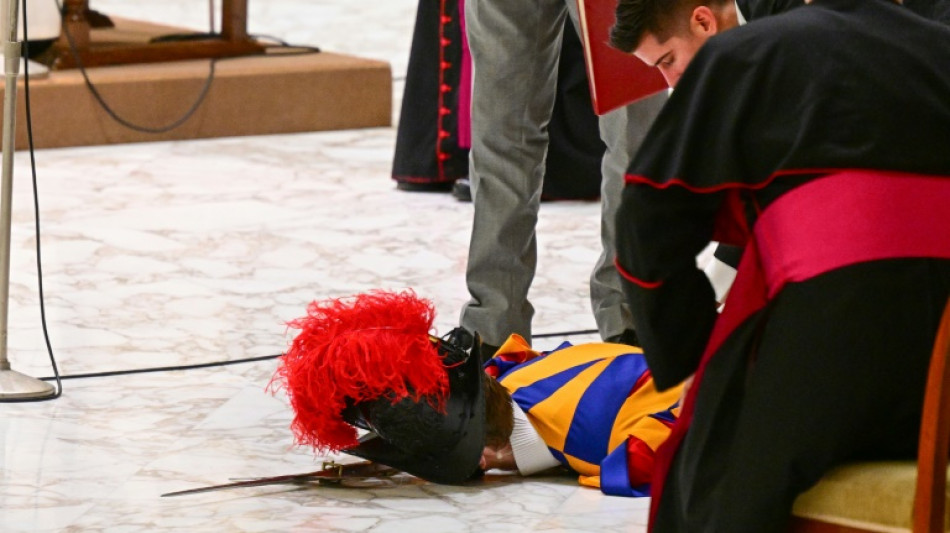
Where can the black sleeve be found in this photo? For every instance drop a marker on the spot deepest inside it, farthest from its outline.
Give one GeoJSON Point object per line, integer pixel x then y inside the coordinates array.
{"type": "Point", "coordinates": [728, 254]}
{"type": "Point", "coordinates": [660, 231]}
{"type": "Point", "coordinates": [755, 9]}
{"type": "Point", "coordinates": [941, 11]}
{"type": "Point", "coordinates": [937, 10]}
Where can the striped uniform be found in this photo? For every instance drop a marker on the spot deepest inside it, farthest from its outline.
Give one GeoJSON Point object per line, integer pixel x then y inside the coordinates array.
{"type": "Point", "coordinates": [594, 405]}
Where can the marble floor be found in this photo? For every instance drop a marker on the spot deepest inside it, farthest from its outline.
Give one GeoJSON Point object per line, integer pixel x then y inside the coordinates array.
{"type": "Point", "coordinates": [185, 253]}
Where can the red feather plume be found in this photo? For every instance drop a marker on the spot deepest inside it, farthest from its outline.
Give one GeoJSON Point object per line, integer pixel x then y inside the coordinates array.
{"type": "Point", "coordinates": [359, 348]}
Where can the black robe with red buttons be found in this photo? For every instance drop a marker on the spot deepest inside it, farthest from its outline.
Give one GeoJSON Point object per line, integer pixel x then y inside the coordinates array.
{"type": "Point", "coordinates": [429, 154]}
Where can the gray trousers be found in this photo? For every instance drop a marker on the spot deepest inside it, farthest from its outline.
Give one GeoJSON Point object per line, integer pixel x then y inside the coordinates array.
{"type": "Point", "coordinates": [515, 46]}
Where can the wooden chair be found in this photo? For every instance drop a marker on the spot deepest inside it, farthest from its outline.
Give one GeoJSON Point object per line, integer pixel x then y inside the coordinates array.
{"type": "Point", "coordinates": [898, 496]}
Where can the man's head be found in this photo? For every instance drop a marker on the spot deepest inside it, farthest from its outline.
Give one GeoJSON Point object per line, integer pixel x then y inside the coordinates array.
{"type": "Point", "coordinates": [668, 33]}
{"type": "Point", "coordinates": [499, 424]}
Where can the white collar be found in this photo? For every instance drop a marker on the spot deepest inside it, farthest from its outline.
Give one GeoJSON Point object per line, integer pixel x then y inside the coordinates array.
{"type": "Point", "coordinates": [531, 453]}
{"type": "Point", "coordinates": [739, 16]}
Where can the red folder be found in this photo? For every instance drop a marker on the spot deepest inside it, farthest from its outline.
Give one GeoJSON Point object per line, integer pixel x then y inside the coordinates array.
{"type": "Point", "coordinates": [616, 79]}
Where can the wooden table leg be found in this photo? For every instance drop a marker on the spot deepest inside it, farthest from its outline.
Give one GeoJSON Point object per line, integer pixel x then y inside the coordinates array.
{"type": "Point", "coordinates": [234, 20]}
{"type": "Point", "coordinates": [233, 41]}
{"type": "Point", "coordinates": [75, 25]}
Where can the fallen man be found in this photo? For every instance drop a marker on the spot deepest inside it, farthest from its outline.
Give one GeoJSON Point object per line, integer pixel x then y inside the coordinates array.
{"type": "Point", "coordinates": [430, 410]}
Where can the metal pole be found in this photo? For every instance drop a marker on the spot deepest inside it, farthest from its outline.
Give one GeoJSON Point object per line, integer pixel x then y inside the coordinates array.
{"type": "Point", "coordinates": [12, 383]}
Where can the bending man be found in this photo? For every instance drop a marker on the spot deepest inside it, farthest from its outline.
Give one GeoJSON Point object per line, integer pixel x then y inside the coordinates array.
{"type": "Point", "coordinates": [370, 363]}
{"type": "Point", "coordinates": [791, 136]}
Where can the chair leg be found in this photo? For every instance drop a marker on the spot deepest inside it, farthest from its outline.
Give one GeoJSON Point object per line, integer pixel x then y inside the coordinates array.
{"type": "Point", "coordinates": [75, 25]}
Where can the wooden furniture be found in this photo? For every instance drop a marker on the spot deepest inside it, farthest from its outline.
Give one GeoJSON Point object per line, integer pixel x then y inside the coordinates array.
{"type": "Point", "coordinates": [76, 41]}
{"type": "Point", "coordinates": [917, 492]}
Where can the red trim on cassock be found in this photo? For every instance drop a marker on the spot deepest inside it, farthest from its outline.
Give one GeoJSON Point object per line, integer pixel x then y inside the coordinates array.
{"type": "Point", "coordinates": [731, 225]}
{"type": "Point", "coordinates": [643, 180]}
{"type": "Point", "coordinates": [441, 156]}
{"type": "Point", "coordinates": [637, 281]}
{"type": "Point", "coordinates": [421, 179]}
{"type": "Point", "coordinates": [839, 220]}
{"type": "Point", "coordinates": [636, 179]}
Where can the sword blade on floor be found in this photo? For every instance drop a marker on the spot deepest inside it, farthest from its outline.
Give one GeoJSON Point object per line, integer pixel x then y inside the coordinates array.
{"type": "Point", "coordinates": [330, 473]}
{"type": "Point", "coordinates": [13, 384]}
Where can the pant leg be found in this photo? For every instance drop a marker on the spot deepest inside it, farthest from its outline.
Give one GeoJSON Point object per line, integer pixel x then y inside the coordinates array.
{"type": "Point", "coordinates": [622, 130]}
{"type": "Point", "coordinates": [515, 46]}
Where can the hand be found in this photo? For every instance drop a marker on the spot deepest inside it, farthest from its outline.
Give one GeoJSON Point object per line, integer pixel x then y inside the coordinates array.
{"type": "Point", "coordinates": [498, 458]}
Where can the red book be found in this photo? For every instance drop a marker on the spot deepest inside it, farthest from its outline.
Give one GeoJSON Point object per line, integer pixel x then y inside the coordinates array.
{"type": "Point", "coordinates": [616, 79]}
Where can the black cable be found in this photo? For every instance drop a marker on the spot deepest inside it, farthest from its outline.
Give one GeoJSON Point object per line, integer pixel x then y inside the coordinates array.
{"type": "Point", "coordinates": [105, 106]}
{"type": "Point", "coordinates": [280, 44]}
{"type": "Point", "coordinates": [95, 92]}
{"type": "Point", "coordinates": [183, 37]}
{"type": "Point", "coordinates": [565, 333]}
{"type": "Point", "coordinates": [247, 360]}
{"type": "Point", "coordinates": [166, 368]}
{"type": "Point", "coordinates": [299, 50]}
{"type": "Point", "coordinates": [303, 49]}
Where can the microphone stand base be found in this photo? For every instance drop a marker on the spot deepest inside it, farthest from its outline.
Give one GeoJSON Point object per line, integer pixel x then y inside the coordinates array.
{"type": "Point", "coordinates": [15, 385]}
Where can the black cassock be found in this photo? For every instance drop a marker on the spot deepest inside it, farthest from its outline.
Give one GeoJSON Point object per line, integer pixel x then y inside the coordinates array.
{"type": "Point", "coordinates": [819, 139]}
{"type": "Point", "coordinates": [430, 153]}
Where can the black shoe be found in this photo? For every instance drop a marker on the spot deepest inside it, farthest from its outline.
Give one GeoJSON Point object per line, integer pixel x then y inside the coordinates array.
{"type": "Point", "coordinates": [628, 337]}
{"type": "Point", "coordinates": [461, 338]}
{"type": "Point", "coordinates": [487, 351]}
{"type": "Point", "coordinates": [441, 186]}
{"type": "Point", "coordinates": [462, 190]}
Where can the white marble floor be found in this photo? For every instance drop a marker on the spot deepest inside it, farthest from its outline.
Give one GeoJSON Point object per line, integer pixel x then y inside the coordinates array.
{"type": "Point", "coordinates": [183, 253]}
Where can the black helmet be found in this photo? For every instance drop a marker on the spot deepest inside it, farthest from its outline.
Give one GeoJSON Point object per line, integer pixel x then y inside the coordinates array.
{"type": "Point", "coordinates": [413, 436]}
{"type": "Point", "coordinates": [370, 363]}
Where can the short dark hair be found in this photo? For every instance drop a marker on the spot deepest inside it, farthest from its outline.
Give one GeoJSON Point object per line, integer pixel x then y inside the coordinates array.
{"type": "Point", "coordinates": [662, 18]}
{"type": "Point", "coordinates": [499, 413]}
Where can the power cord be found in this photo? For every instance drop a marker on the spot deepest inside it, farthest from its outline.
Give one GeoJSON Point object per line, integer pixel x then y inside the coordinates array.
{"type": "Point", "coordinates": [247, 360]}
{"type": "Point", "coordinates": [565, 333]}
{"type": "Point", "coordinates": [165, 368]}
